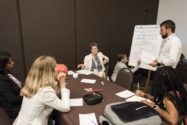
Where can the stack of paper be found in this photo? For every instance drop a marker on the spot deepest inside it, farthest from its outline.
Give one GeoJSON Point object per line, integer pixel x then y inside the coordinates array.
{"type": "Point", "coordinates": [87, 119]}
{"type": "Point", "coordinates": [91, 81]}
{"type": "Point", "coordinates": [125, 94]}
{"type": "Point", "coordinates": [84, 72]}
{"type": "Point", "coordinates": [146, 58]}
{"type": "Point", "coordinates": [76, 102]}
{"type": "Point", "coordinates": [136, 99]}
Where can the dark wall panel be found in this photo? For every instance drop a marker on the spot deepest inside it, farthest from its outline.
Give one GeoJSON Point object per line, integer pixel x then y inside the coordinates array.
{"type": "Point", "coordinates": [65, 28]}
{"type": "Point", "coordinates": [93, 24]}
{"type": "Point", "coordinates": [149, 11]}
{"type": "Point", "coordinates": [111, 23]}
{"type": "Point", "coordinates": [10, 38]}
{"type": "Point", "coordinates": [48, 29]}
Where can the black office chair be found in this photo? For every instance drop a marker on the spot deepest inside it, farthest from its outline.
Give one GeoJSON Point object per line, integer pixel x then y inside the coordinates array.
{"type": "Point", "coordinates": [106, 70]}
{"type": "Point", "coordinates": [182, 69]}
{"type": "Point", "coordinates": [4, 118]}
{"type": "Point", "coordinates": [124, 78]}
{"type": "Point", "coordinates": [185, 87]}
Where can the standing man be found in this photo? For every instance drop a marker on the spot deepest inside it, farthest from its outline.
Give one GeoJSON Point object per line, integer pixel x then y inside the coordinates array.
{"type": "Point", "coordinates": [171, 48]}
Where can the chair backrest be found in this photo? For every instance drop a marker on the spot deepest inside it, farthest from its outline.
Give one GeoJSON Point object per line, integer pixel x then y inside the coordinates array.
{"type": "Point", "coordinates": [180, 120]}
{"type": "Point", "coordinates": [185, 87]}
{"type": "Point", "coordinates": [182, 69]}
{"type": "Point", "coordinates": [106, 69]}
{"type": "Point", "coordinates": [124, 78]}
{"type": "Point", "coordinates": [4, 118]}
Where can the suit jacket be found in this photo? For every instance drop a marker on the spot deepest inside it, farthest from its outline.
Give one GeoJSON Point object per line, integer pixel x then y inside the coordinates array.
{"type": "Point", "coordinates": [10, 99]}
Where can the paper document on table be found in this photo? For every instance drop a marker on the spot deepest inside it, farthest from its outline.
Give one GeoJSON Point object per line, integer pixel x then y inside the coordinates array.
{"type": "Point", "coordinates": [91, 81]}
{"type": "Point", "coordinates": [70, 72]}
{"type": "Point", "coordinates": [87, 119]}
{"type": "Point", "coordinates": [146, 58]}
{"type": "Point", "coordinates": [76, 102]}
{"type": "Point", "coordinates": [84, 72]}
{"type": "Point", "coordinates": [136, 99]}
{"type": "Point", "coordinates": [125, 94]}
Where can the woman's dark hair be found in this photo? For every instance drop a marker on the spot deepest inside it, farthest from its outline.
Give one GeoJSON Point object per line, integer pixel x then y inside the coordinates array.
{"type": "Point", "coordinates": [4, 58]}
{"type": "Point", "coordinates": [168, 80]}
{"type": "Point", "coordinates": [120, 56]}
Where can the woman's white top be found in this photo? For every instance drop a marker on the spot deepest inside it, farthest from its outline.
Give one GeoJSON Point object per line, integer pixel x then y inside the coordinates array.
{"type": "Point", "coordinates": [88, 63]}
{"type": "Point", "coordinates": [36, 110]}
{"type": "Point", "coordinates": [88, 60]}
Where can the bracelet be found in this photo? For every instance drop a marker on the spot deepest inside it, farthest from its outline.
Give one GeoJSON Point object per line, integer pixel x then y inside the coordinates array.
{"type": "Point", "coordinates": [155, 106]}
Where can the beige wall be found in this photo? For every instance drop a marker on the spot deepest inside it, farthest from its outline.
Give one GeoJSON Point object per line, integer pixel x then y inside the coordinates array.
{"type": "Point", "coordinates": [175, 10]}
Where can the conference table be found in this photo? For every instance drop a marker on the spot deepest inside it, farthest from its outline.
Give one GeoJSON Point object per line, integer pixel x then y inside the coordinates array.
{"type": "Point", "coordinates": [77, 91]}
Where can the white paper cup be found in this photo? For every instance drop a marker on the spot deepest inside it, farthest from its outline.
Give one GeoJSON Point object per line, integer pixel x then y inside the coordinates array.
{"type": "Point", "coordinates": [75, 75]}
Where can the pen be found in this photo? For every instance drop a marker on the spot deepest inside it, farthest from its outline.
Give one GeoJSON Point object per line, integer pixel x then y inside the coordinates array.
{"type": "Point", "coordinates": [141, 107]}
{"type": "Point", "coordinates": [95, 90]}
{"type": "Point", "coordinates": [138, 86]}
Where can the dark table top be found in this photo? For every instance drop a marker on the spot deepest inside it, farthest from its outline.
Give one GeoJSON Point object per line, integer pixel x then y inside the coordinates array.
{"type": "Point", "coordinates": [77, 91]}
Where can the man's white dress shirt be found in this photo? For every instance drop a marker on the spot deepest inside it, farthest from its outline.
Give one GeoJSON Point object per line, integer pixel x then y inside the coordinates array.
{"type": "Point", "coordinates": [170, 51]}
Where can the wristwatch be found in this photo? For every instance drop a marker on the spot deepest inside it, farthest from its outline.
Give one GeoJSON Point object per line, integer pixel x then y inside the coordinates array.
{"type": "Point", "coordinates": [155, 106]}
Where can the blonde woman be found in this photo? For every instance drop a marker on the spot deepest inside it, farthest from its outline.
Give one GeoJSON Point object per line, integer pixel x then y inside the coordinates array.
{"type": "Point", "coordinates": [39, 93]}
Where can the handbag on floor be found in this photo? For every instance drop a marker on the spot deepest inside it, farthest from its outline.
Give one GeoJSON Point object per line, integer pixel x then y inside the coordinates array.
{"type": "Point", "coordinates": [129, 113]}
